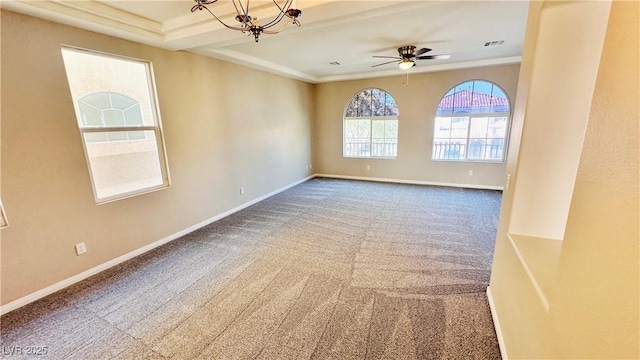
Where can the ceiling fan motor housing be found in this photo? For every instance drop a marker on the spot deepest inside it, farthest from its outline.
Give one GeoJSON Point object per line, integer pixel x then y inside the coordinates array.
{"type": "Point", "coordinates": [407, 51]}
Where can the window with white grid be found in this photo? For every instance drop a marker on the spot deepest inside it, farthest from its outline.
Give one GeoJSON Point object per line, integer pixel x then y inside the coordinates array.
{"type": "Point", "coordinates": [370, 125]}
{"type": "Point", "coordinates": [119, 122]}
{"type": "Point", "coordinates": [472, 123]}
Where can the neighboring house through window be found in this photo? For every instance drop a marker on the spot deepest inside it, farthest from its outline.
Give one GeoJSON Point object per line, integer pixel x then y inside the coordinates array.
{"type": "Point", "coordinates": [370, 125]}
{"type": "Point", "coordinates": [472, 123]}
{"type": "Point", "coordinates": [118, 119]}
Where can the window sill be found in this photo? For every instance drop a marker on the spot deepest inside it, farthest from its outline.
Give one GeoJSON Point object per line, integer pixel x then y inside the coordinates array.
{"type": "Point", "coordinates": [370, 157]}
{"type": "Point", "coordinates": [470, 161]}
{"type": "Point", "coordinates": [123, 196]}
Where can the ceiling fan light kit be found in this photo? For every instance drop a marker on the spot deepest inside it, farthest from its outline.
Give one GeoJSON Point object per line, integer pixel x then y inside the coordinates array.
{"type": "Point", "coordinates": [248, 24]}
{"type": "Point", "coordinates": [408, 56]}
{"type": "Point", "coordinates": [406, 64]}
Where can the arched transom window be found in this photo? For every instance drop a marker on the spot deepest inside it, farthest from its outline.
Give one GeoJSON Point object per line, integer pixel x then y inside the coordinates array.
{"type": "Point", "coordinates": [472, 123]}
{"type": "Point", "coordinates": [106, 110]}
{"type": "Point", "coordinates": [370, 125]}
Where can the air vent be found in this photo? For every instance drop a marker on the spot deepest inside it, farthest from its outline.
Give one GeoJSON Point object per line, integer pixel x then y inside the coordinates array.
{"type": "Point", "coordinates": [494, 43]}
{"type": "Point", "coordinates": [335, 63]}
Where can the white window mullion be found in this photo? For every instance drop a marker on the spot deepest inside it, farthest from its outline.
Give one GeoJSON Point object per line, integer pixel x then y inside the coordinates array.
{"type": "Point", "coordinates": [118, 128]}
{"type": "Point", "coordinates": [466, 150]}
{"type": "Point", "coordinates": [371, 137]}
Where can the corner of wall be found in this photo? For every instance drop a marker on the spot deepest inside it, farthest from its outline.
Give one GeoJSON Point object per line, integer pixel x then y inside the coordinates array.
{"type": "Point", "coordinates": [496, 324]}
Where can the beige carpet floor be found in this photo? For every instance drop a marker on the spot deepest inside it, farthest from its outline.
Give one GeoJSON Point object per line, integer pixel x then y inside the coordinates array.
{"type": "Point", "coordinates": [330, 269]}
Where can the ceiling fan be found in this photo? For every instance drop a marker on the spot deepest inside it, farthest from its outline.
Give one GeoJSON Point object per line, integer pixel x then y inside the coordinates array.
{"type": "Point", "coordinates": [408, 56]}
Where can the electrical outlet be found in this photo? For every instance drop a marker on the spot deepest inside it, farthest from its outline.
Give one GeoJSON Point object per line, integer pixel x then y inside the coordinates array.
{"type": "Point", "coordinates": [470, 172]}
{"type": "Point", "coordinates": [241, 191]}
{"type": "Point", "coordinates": [81, 248]}
{"type": "Point", "coordinates": [368, 167]}
{"type": "Point", "coordinates": [310, 167]}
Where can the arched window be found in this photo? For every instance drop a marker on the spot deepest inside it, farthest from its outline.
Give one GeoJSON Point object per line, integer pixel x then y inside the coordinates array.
{"type": "Point", "coordinates": [370, 125]}
{"type": "Point", "coordinates": [106, 110]}
{"type": "Point", "coordinates": [472, 123]}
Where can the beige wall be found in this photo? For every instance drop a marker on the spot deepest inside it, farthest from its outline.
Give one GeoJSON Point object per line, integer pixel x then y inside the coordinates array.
{"type": "Point", "coordinates": [600, 268]}
{"type": "Point", "coordinates": [417, 104]}
{"type": "Point", "coordinates": [593, 307]}
{"type": "Point", "coordinates": [550, 149]}
{"type": "Point", "coordinates": [225, 127]}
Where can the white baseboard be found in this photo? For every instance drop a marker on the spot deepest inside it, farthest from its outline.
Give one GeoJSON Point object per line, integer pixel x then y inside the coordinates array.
{"type": "Point", "coordinates": [413, 182]}
{"type": "Point", "coordinates": [496, 324]}
{"type": "Point", "coordinates": [102, 267]}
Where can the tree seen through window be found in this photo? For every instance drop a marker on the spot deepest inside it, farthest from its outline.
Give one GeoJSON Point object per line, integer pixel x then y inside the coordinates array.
{"type": "Point", "coordinates": [371, 125]}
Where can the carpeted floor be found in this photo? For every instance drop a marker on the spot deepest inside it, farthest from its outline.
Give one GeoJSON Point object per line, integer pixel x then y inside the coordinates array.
{"type": "Point", "coordinates": [330, 269]}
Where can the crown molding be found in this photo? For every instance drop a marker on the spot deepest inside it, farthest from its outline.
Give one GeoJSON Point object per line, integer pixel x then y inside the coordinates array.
{"type": "Point", "coordinates": [258, 64]}
{"type": "Point", "coordinates": [94, 16]}
{"type": "Point", "coordinates": [423, 69]}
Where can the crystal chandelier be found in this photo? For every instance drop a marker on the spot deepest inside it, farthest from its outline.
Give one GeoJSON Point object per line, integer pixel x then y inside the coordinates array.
{"type": "Point", "coordinates": [248, 24]}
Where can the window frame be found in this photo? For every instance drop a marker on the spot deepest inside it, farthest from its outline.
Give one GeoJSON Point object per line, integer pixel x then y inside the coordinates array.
{"type": "Point", "coordinates": [4, 222]}
{"type": "Point", "coordinates": [470, 116]}
{"type": "Point", "coordinates": [370, 119]}
{"type": "Point", "coordinates": [156, 129]}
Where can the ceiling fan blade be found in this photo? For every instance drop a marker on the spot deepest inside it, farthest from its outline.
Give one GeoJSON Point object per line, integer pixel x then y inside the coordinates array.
{"type": "Point", "coordinates": [433, 57]}
{"type": "Point", "coordinates": [388, 57]}
{"type": "Point", "coordinates": [389, 62]}
{"type": "Point", "coordinates": [421, 51]}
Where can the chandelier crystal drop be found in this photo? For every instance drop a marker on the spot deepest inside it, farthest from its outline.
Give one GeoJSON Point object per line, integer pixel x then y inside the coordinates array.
{"type": "Point", "coordinates": [249, 24]}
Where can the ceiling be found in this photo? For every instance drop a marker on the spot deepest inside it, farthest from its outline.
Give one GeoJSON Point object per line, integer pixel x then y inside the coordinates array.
{"type": "Point", "coordinates": [346, 32]}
